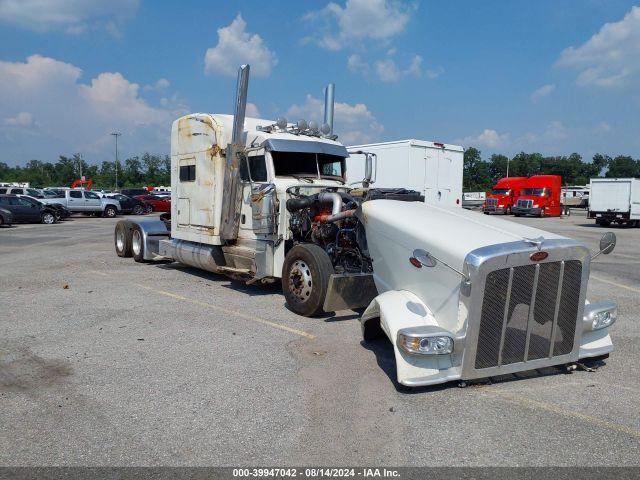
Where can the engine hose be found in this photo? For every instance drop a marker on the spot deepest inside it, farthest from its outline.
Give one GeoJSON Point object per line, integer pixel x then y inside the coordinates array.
{"type": "Point", "coordinates": [331, 197]}
{"type": "Point", "coordinates": [339, 216]}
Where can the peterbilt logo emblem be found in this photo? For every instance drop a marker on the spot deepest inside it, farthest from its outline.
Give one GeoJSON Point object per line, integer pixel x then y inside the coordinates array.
{"type": "Point", "coordinates": [538, 256]}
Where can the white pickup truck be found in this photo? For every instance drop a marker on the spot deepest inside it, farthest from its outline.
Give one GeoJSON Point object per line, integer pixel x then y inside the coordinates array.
{"type": "Point", "coordinates": [86, 201]}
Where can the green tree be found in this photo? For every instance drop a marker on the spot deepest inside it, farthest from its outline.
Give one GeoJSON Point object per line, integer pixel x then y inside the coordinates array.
{"type": "Point", "coordinates": [623, 166]}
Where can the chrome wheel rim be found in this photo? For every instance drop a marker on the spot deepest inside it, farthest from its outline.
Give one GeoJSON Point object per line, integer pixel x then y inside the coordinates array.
{"type": "Point", "coordinates": [138, 210]}
{"type": "Point", "coordinates": [48, 218]}
{"type": "Point", "coordinates": [300, 281]}
{"type": "Point", "coordinates": [120, 240]}
{"type": "Point", "coordinates": [111, 212]}
{"type": "Point", "coordinates": [136, 244]}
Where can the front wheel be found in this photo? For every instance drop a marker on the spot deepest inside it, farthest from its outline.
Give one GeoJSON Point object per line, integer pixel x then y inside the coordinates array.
{"type": "Point", "coordinates": [138, 209]}
{"type": "Point", "coordinates": [148, 209]}
{"type": "Point", "coordinates": [305, 278]}
{"type": "Point", "coordinates": [110, 211]}
{"type": "Point", "coordinates": [542, 212]}
{"type": "Point", "coordinates": [48, 218]}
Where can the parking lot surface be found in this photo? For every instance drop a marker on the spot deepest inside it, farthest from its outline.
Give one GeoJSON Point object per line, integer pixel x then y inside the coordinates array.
{"type": "Point", "coordinates": [107, 362]}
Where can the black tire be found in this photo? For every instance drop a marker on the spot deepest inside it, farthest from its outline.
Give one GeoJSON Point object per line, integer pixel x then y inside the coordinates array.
{"type": "Point", "coordinates": [122, 240]}
{"type": "Point", "coordinates": [507, 211]}
{"type": "Point", "coordinates": [542, 212]}
{"type": "Point", "coordinates": [148, 209]}
{"type": "Point", "coordinates": [516, 214]}
{"type": "Point", "coordinates": [305, 278]}
{"type": "Point", "coordinates": [603, 223]}
{"type": "Point", "coordinates": [138, 209]}
{"type": "Point", "coordinates": [110, 211]}
{"type": "Point", "coordinates": [48, 218]}
{"type": "Point", "coordinates": [137, 244]}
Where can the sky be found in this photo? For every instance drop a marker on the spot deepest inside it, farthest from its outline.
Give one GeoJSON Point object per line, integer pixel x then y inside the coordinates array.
{"type": "Point", "coordinates": [505, 76]}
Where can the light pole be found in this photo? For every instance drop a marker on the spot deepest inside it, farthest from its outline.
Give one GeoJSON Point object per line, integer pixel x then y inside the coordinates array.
{"type": "Point", "coordinates": [507, 167]}
{"type": "Point", "coordinates": [116, 135]}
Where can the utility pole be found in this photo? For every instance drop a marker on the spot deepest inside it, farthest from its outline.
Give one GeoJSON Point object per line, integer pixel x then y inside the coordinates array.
{"type": "Point", "coordinates": [507, 167]}
{"type": "Point", "coordinates": [80, 164]}
{"type": "Point", "coordinates": [116, 135]}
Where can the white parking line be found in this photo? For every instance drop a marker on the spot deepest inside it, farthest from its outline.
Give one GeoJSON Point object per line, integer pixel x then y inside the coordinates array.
{"type": "Point", "coordinates": [619, 285]}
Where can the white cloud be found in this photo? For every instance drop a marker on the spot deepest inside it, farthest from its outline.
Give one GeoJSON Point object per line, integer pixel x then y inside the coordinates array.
{"type": "Point", "coordinates": [22, 119]}
{"type": "Point", "coordinates": [611, 57]}
{"type": "Point", "coordinates": [359, 20]}
{"type": "Point", "coordinates": [353, 123]}
{"type": "Point", "coordinates": [387, 69]}
{"type": "Point", "coordinates": [488, 138]}
{"type": "Point", "coordinates": [73, 116]}
{"type": "Point", "coordinates": [603, 127]}
{"type": "Point", "coordinates": [70, 16]}
{"type": "Point", "coordinates": [235, 47]}
{"type": "Point", "coordinates": [542, 92]}
{"type": "Point", "coordinates": [252, 110]}
{"type": "Point", "coordinates": [356, 64]}
{"type": "Point", "coordinates": [433, 73]}
{"type": "Point", "coordinates": [160, 86]}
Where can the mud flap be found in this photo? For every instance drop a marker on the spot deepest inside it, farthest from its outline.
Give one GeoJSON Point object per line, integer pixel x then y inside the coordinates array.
{"type": "Point", "coordinates": [348, 291]}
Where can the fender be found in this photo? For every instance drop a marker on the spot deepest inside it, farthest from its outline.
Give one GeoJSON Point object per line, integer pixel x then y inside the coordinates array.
{"type": "Point", "coordinates": [152, 232]}
{"type": "Point", "coordinates": [397, 309]}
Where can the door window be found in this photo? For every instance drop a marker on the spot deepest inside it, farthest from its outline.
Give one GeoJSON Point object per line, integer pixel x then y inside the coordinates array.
{"type": "Point", "coordinates": [91, 195]}
{"type": "Point", "coordinates": [257, 169]}
{"type": "Point", "coordinates": [75, 194]}
{"type": "Point", "coordinates": [17, 191]}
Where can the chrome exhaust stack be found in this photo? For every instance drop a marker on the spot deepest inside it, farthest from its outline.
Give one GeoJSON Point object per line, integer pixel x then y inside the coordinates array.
{"type": "Point", "coordinates": [232, 198]}
{"type": "Point", "coordinates": [329, 101]}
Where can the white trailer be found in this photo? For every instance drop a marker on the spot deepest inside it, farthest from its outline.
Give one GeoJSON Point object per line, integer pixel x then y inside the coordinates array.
{"type": "Point", "coordinates": [434, 169]}
{"type": "Point", "coordinates": [615, 200]}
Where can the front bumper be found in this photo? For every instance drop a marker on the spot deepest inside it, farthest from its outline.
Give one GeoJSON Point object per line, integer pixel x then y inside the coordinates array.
{"type": "Point", "coordinates": [526, 211]}
{"type": "Point", "coordinates": [498, 210]}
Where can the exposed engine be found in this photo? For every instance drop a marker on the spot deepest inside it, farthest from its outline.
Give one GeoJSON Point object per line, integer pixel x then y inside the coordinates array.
{"type": "Point", "coordinates": [328, 219]}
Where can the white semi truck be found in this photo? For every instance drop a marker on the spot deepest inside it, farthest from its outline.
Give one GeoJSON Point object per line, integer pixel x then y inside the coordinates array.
{"type": "Point", "coordinates": [432, 168]}
{"type": "Point", "coordinates": [459, 295]}
{"type": "Point", "coordinates": [615, 200]}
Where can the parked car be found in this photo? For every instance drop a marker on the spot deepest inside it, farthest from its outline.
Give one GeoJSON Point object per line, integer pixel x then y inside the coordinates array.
{"type": "Point", "coordinates": [158, 204]}
{"type": "Point", "coordinates": [132, 192]}
{"type": "Point", "coordinates": [20, 191]}
{"type": "Point", "coordinates": [61, 211]}
{"type": "Point", "coordinates": [131, 205]}
{"type": "Point", "coordinates": [25, 211]}
{"type": "Point", "coordinates": [6, 217]}
{"type": "Point", "coordinates": [86, 201]}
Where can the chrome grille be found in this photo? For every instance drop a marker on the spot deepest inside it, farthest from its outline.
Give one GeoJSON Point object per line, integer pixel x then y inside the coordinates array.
{"type": "Point", "coordinates": [529, 312]}
{"type": "Point", "coordinates": [524, 203]}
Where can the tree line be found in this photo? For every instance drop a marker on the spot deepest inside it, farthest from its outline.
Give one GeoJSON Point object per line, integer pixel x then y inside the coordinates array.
{"type": "Point", "coordinates": [148, 169]}
{"type": "Point", "coordinates": [480, 175]}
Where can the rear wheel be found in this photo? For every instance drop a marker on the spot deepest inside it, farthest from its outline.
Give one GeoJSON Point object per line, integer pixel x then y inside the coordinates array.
{"type": "Point", "coordinates": [110, 211]}
{"type": "Point", "coordinates": [48, 218]}
{"type": "Point", "coordinates": [137, 244]}
{"type": "Point", "coordinates": [138, 209]}
{"type": "Point", "coordinates": [305, 278]}
{"type": "Point", "coordinates": [122, 240]}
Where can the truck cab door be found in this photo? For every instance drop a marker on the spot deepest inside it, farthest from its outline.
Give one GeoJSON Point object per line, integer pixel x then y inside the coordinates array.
{"type": "Point", "coordinates": [75, 201]}
{"type": "Point", "coordinates": [256, 195]}
{"type": "Point", "coordinates": [92, 201]}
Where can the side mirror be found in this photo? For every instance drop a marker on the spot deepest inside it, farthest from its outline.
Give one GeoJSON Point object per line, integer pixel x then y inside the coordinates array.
{"type": "Point", "coordinates": [607, 244]}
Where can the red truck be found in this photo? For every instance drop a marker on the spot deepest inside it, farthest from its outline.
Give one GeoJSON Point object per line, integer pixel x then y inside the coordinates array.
{"type": "Point", "coordinates": [540, 196]}
{"type": "Point", "coordinates": [503, 195]}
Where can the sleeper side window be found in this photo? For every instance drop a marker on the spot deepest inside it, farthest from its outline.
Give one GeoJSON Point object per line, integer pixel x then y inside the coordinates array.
{"type": "Point", "coordinates": [187, 173]}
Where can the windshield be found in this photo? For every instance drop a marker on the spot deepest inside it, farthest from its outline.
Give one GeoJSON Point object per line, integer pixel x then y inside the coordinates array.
{"type": "Point", "coordinates": [534, 192]}
{"type": "Point", "coordinates": [501, 191]}
{"type": "Point", "coordinates": [308, 165]}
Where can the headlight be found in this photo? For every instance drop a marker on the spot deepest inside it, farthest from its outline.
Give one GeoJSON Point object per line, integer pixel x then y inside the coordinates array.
{"type": "Point", "coordinates": [604, 319]}
{"type": "Point", "coordinates": [423, 344]}
{"type": "Point", "coordinates": [600, 315]}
